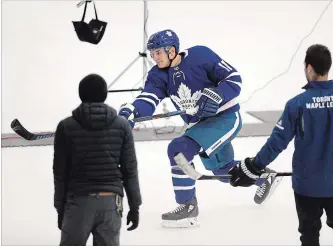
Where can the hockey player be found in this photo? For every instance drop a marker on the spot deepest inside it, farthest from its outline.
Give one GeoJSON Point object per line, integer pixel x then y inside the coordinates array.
{"type": "Point", "coordinates": [198, 79]}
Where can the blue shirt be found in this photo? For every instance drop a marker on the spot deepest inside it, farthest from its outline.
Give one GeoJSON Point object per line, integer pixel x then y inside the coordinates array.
{"type": "Point", "coordinates": [308, 118]}
{"type": "Point", "coordinates": [199, 68]}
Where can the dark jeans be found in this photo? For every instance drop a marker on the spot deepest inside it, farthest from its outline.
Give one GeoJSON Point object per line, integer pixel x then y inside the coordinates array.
{"type": "Point", "coordinates": [91, 214]}
{"type": "Point", "coordinates": [309, 211]}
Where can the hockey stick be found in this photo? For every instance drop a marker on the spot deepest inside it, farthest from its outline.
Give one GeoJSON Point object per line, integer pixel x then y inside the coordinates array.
{"type": "Point", "coordinates": [126, 90]}
{"type": "Point", "coordinates": [160, 116]}
{"type": "Point", "coordinates": [195, 175]}
{"type": "Point", "coordinates": [24, 133]}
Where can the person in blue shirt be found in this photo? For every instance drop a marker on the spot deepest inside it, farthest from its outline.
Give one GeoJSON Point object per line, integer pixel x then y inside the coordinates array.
{"type": "Point", "coordinates": [195, 79]}
{"type": "Point", "coordinates": [308, 118]}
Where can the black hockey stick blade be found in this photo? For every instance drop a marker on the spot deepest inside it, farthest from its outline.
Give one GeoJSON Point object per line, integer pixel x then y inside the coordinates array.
{"type": "Point", "coordinates": [24, 133]}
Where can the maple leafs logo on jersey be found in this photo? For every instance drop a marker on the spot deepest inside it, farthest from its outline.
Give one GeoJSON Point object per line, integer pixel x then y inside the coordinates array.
{"type": "Point", "coordinates": [185, 99]}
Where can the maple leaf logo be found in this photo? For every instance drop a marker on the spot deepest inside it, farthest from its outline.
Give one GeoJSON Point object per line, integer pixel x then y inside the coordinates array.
{"type": "Point", "coordinates": [185, 100]}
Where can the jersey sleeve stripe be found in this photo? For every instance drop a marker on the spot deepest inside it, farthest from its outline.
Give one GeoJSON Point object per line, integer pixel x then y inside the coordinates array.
{"type": "Point", "coordinates": [152, 102]}
{"type": "Point", "coordinates": [151, 95]}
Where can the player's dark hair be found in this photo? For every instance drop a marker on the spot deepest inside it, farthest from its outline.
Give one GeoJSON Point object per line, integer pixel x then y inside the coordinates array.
{"type": "Point", "coordinates": [319, 57]}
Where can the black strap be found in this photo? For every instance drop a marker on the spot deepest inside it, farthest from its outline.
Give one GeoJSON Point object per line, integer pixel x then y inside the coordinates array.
{"type": "Point", "coordinates": [85, 9]}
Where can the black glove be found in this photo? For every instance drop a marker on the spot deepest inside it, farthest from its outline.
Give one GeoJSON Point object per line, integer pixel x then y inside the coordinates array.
{"type": "Point", "coordinates": [133, 216]}
{"type": "Point", "coordinates": [60, 218]}
{"type": "Point", "coordinates": [245, 173]}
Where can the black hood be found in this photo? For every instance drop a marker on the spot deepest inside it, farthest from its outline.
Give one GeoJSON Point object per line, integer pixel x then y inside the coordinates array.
{"type": "Point", "coordinates": [94, 116]}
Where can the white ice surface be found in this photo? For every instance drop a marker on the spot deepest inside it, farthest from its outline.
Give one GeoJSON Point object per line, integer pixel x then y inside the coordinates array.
{"type": "Point", "coordinates": [228, 215]}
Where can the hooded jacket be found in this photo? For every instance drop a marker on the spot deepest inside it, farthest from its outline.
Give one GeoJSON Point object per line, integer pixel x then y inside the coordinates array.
{"type": "Point", "coordinates": [94, 152]}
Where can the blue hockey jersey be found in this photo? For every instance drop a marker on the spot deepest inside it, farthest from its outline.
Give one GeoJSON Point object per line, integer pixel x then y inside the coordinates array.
{"type": "Point", "coordinates": [199, 68]}
{"type": "Point", "coordinates": [309, 118]}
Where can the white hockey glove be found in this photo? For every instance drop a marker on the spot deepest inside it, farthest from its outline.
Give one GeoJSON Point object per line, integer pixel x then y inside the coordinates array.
{"type": "Point", "coordinates": [128, 111]}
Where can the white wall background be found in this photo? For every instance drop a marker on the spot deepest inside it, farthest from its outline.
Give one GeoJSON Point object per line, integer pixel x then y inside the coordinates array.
{"type": "Point", "coordinates": [43, 62]}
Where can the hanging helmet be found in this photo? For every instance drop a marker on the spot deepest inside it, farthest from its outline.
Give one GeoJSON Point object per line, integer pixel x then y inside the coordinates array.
{"type": "Point", "coordinates": [163, 39]}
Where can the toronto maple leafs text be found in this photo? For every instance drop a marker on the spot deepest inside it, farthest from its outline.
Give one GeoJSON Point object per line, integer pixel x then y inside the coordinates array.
{"type": "Point", "coordinates": [320, 102]}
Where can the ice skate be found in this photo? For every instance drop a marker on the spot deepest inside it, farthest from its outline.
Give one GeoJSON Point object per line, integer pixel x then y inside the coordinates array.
{"type": "Point", "coordinates": [267, 188]}
{"type": "Point", "coordinates": [184, 216]}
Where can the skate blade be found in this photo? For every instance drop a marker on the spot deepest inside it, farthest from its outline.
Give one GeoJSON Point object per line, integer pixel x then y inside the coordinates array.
{"type": "Point", "coordinates": [273, 187]}
{"type": "Point", "coordinates": [183, 223]}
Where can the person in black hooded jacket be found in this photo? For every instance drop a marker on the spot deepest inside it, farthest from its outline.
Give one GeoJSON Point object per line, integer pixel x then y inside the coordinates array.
{"type": "Point", "coordinates": [94, 160]}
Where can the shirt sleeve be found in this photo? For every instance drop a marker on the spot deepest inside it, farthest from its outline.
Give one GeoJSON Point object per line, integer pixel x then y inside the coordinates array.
{"type": "Point", "coordinates": [129, 167]}
{"type": "Point", "coordinates": [283, 132]}
{"type": "Point", "coordinates": [60, 167]}
{"type": "Point", "coordinates": [153, 93]}
{"type": "Point", "coordinates": [224, 76]}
